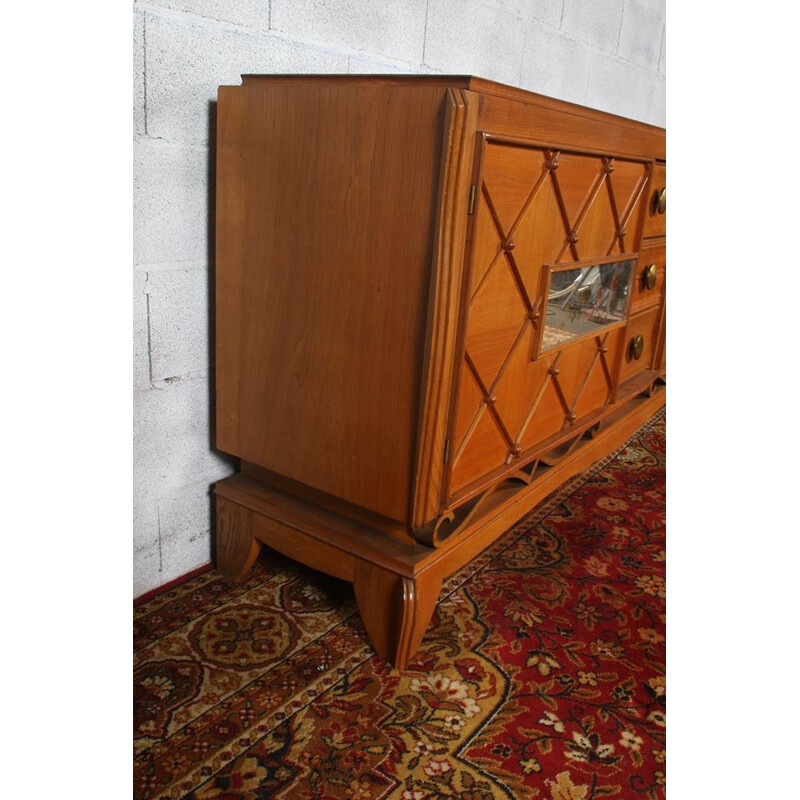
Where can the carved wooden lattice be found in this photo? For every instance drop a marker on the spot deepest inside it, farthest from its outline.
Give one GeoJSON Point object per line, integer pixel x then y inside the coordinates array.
{"type": "Point", "coordinates": [535, 206]}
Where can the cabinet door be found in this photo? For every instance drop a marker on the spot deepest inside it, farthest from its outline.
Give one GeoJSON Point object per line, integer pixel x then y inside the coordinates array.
{"type": "Point", "coordinates": [534, 206]}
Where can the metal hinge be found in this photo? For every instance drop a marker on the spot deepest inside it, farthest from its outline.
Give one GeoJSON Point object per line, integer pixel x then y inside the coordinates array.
{"type": "Point", "coordinates": [446, 451]}
{"type": "Point", "coordinates": [471, 206]}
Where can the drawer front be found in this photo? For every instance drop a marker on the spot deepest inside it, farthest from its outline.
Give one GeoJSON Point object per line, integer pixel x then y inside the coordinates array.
{"type": "Point", "coordinates": [633, 360]}
{"type": "Point", "coordinates": [649, 279]}
{"type": "Point", "coordinates": [533, 206]}
{"type": "Point", "coordinates": [655, 222]}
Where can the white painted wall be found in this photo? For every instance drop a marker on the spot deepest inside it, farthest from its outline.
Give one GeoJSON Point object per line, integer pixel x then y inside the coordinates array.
{"type": "Point", "coordinates": [608, 54]}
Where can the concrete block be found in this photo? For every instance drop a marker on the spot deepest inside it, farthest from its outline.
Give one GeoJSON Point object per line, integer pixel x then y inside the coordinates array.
{"type": "Point", "coordinates": [172, 440]}
{"type": "Point", "coordinates": [486, 40]}
{"type": "Point", "coordinates": [657, 7]}
{"type": "Point", "coordinates": [655, 106]}
{"type": "Point", "coordinates": [145, 525]}
{"type": "Point", "coordinates": [170, 202]}
{"type": "Point", "coordinates": [640, 36]}
{"type": "Point", "coordinates": [554, 64]}
{"type": "Point", "coordinates": [187, 61]}
{"type": "Point", "coordinates": [547, 11]}
{"type": "Point", "coordinates": [138, 73]}
{"type": "Point", "coordinates": [618, 87]}
{"type": "Point", "coordinates": [248, 13]}
{"type": "Point", "coordinates": [395, 30]}
{"type": "Point", "coordinates": [596, 23]}
{"type": "Point", "coordinates": [180, 556]}
{"type": "Point", "coordinates": [185, 527]}
{"type": "Point", "coordinates": [141, 345]}
{"type": "Point", "coordinates": [179, 323]}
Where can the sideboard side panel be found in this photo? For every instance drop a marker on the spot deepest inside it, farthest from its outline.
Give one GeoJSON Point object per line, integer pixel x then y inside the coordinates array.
{"type": "Point", "coordinates": [326, 208]}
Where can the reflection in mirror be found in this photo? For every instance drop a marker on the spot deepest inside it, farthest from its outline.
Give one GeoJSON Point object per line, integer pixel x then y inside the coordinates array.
{"type": "Point", "coordinates": [580, 301]}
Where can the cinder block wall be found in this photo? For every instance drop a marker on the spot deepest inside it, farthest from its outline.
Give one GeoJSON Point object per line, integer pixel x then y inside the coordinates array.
{"type": "Point", "coordinates": [608, 54]}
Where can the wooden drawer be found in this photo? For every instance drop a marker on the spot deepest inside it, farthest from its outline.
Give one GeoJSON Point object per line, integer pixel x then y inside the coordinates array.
{"type": "Point", "coordinates": [655, 222]}
{"type": "Point", "coordinates": [646, 326]}
{"type": "Point", "coordinates": [643, 295]}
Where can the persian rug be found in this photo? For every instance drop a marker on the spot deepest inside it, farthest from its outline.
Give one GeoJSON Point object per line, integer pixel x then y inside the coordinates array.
{"type": "Point", "coordinates": [541, 675]}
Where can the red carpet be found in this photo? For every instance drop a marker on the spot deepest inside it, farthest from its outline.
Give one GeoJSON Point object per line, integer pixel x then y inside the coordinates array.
{"type": "Point", "coordinates": [541, 676]}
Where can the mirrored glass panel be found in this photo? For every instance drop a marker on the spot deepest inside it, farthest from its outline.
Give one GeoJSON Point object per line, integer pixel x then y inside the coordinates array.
{"type": "Point", "coordinates": [583, 300]}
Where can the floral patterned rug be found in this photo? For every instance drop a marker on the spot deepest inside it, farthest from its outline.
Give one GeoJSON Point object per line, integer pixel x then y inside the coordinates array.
{"type": "Point", "coordinates": [541, 676]}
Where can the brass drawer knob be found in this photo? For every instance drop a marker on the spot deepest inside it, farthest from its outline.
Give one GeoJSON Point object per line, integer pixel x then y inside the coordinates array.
{"type": "Point", "coordinates": [636, 347]}
{"type": "Point", "coordinates": [650, 275]}
{"type": "Point", "coordinates": [660, 201]}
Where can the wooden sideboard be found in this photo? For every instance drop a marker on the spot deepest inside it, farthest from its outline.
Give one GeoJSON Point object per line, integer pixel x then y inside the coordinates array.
{"type": "Point", "coordinates": [437, 299]}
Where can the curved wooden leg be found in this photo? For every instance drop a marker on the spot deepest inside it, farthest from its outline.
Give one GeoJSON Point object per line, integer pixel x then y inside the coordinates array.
{"type": "Point", "coordinates": [396, 609]}
{"type": "Point", "coordinates": [237, 548]}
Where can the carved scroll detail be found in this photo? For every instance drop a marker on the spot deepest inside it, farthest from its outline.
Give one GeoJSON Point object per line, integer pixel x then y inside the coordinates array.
{"type": "Point", "coordinates": [453, 522]}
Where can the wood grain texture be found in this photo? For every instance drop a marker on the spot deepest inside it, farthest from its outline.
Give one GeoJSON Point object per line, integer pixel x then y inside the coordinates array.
{"type": "Point", "coordinates": [563, 126]}
{"type": "Point", "coordinates": [237, 547]}
{"type": "Point", "coordinates": [321, 304]}
{"type": "Point", "coordinates": [396, 609]}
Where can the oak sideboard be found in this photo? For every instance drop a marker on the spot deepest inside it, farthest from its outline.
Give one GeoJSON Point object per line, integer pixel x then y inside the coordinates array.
{"type": "Point", "coordinates": [437, 298]}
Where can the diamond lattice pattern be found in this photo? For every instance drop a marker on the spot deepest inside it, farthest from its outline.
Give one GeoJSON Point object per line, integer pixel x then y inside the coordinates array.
{"type": "Point", "coordinates": [534, 207]}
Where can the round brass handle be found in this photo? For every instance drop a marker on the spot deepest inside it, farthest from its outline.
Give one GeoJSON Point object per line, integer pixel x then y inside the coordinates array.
{"type": "Point", "coordinates": [661, 200]}
{"type": "Point", "coordinates": [650, 275]}
{"type": "Point", "coordinates": [636, 347]}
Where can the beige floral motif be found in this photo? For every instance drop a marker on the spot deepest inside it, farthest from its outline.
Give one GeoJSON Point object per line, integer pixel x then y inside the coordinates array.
{"type": "Point", "coordinates": [526, 615]}
{"type": "Point", "coordinates": [414, 794]}
{"type": "Point", "coordinates": [312, 593]}
{"type": "Point", "coordinates": [596, 566]}
{"type": "Point", "coordinates": [650, 635]}
{"type": "Point", "coordinates": [607, 649]}
{"type": "Point", "coordinates": [359, 790]}
{"type": "Point", "coordinates": [630, 740]}
{"type": "Point", "coordinates": [530, 765]}
{"type": "Point", "coordinates": [543, 661]}
{"type": "Point", "coordinates": [587, 678]}
{"type": "Point", "coordinates": [562, 788]}
{"type": "Point", "coordinates": [452, 690]}
{"type": "Point", "coordinates": [658, 717]}
{"type": "Point", "coordinates": [441, 684]}
{"type": "Point", "coordinates": [160, 686]}
{"type": "Point", "coordinates": [454, 722]}
{"type": "Point", "coordinates": [551, 719]}
{"type": "Point", "coordinates": [653, 585]}
{"type": "Point", "coordinates": [437, 766]}
{"type": "Point", "coordinates": [589, 749]}
{"type": "Point", "coordinates": [659, 756]}
{"type": "Point", "coordinates": [658, 685]}
{"type": "Point", "coordinates": [620, 535]}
